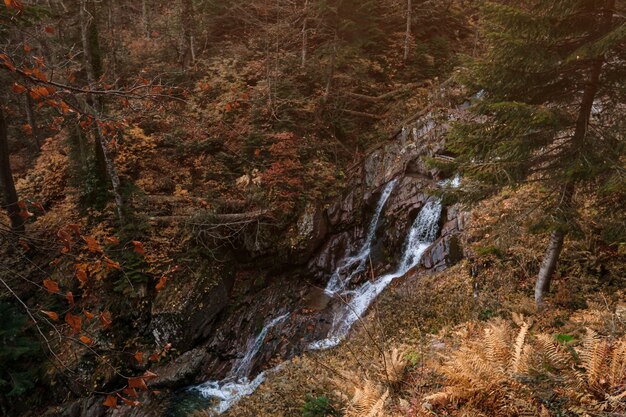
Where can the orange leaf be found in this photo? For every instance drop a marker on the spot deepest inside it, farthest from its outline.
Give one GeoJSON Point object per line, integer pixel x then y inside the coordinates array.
{"type": "Point", "coordinates": [111, 401]}
{"type": "Point", "coordinates": [70, 298]}
{"type": "Point", "coordinates": [154, 357]}
{"type": "Point", "coordinates": [27, 48]}
{"type": "Point", "coordinates": [51, 286]}
{"type": "Point", "coordinates": [81, 273]}
{"type": "Point", "coordinates": [137, 382]}
{"type": "Point", "coordinates": [75, 322]}
{"type": "Point", "coordinates": [105, 319]}
{"type": "Point", "coordinates": [18, 88]}
{"type": "Point", "coordinates": [228, 107]}
{"type": "Point", "coordinates": [14, 4]}
{"type": "Point", "coordinates": [53, 316]}
{"type": "Point", "coordinates": [92, 244]}
{"type": "Point", "coordinates": [112, 240]}
{"type": "Point", "coordinates": [86, 340]}
{"type": "Point", "coordinates": [161, 284]}
{"type": "Point", "coordinates": [149, 375]}
{"type": "Point", "coordinates": [138, 247]}
{"type": "Point", "coordinates": [139, 356]}
{"type": "Point", "coordinates": [111, 264]}
{"type": "Point", "coordinates": [88, 314]}
{"type": "Point", "coordinates": [131, 392]}
{"type": "Point", "coordinates": [27, 129]}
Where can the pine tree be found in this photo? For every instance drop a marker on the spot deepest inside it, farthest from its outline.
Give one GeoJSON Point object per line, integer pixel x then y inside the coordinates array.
{"type": "Point", "coordinates": [551, 86]}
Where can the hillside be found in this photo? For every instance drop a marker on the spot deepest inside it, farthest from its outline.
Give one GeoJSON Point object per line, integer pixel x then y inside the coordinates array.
{"type": "Point", "coordinates": [312, 208]}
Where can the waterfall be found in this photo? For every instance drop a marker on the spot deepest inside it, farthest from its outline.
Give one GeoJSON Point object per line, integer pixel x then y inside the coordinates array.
{"type": "Point", "coordinates": [422, 234]}
{"type": "Point", "coordinates": [236, 384]}
{"type": "Point", "coordinates": [353, 265]}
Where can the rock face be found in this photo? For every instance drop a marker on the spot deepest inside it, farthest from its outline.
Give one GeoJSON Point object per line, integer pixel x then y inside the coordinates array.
{"type": "Point", "coordinates": [182, 313]}
{"type": "Point", "coordinates": [180, 371]}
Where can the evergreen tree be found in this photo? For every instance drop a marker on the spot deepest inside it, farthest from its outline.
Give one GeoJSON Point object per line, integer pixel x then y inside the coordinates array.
{"type": "Point", "coordinates": [551, 85]}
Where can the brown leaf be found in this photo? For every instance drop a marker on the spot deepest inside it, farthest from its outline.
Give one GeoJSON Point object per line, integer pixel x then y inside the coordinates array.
{"type": "Point", "coordinates": [18, 88]}
{"type": "Point", "coordinates": [70, 298]}
{"type": "Point", "coordinates": [139, 356]}
{"type": "Point", "coordinates": [149, 375]}
{"type": "Point", "coordinates": [53, 316]}
{"type": "Point", "coordinates": [112, 240]}
{"type": "Point", "coordinates": [161, 284]}
{"type": "Point", "coordinates": [75, 322]}
{"type": "Point", "coordinates": [111, 401]}
{"type": "Point", "coordinates": [137, 382]}
{"type": "Point", "coordinates": [105, 319]}
{"type": "Point", "coordinates": [138, 247]}
{"type": "Point", "coordinates": [111, 264]}
{"type": "Point", "coordinates": [92, 244]}
{"type": "Point", "coordinates": [51, 286]}
{"type": "Point", "coordinates": [131, 392]}
{"type": "Point", "coordinates": [81, 273]}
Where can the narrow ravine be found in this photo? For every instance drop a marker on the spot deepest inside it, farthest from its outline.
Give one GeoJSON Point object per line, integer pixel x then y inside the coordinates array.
{"type": "Point", "coordinates": [348, 303]}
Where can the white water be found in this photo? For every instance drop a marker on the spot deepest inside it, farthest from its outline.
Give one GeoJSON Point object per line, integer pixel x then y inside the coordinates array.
{"type": "Point", "coordinates": [353, 265]}
{"type": "Point", "coordinates": [422, 234]}
{"type": "Point", "coordinates": [237, 385]}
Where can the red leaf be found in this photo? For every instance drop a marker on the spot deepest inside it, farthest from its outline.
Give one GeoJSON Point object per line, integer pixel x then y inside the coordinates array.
{"type": "Point", "coordinates": [111, 401]}
{"type": "Point", "coordinates": [88, 314]}
{"type": "Point", "coordinates": [137, 382]}
{"type": "Point", "coordinates": [14, 4]}
{"type": "Point", "coordinates": [49, 29]}
{"type": "Point", "coordinates": [86, 340]}
{"type": "Point", "coordinates": [18, 88]}
{"type": "Point", "coordinates": [75, 322]}
{"type": "Point", "coordinates": [105, 319]}
{"type": "Point", "coordinates": [149, 375]}
{"type": "Point", "coordinates": [70, 298]}
{"type": "Point", "coordinates": [81, 273]}
{"type": "Point", "coordinates": [138, 356]}
{"type": "Point", "coordinates": [53, 316]}
{"type": "Point", "coordinates": [92, 244]}
{"type": "Point", "coordinates": [111, 264]}
{"type": "Point", "coordinates": [161, 284]}
{"type": "Point", "coordinates": [131, 392]}
{"type": "Point", "coordinates": [51, 286]}
{"type": "Point", "coordinates": [138, 247]}
{"type": "Point", "coordinates": [24, 244]}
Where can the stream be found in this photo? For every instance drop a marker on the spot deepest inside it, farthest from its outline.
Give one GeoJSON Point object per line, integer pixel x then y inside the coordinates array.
{"type": "Point", "coordinates": [349, 304]}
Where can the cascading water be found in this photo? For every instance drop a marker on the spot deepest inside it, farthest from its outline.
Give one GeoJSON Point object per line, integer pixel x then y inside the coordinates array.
{"type": "Point", "coordinates": [422, 234]}
{"type": "Point", "coordinates": [237, 385]}
{"type": "Point", "coordinates": [354, 265]}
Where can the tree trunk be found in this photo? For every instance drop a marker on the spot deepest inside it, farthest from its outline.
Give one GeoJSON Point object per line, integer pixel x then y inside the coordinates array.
{"type": "Point", "coordinates": [565, 211]}
{"type": "Point", "coordinates": [187, 53]}
{"type": "Point", "coordinates": [548, 266]}
{"type": "Point", "coordinates": [407, 36]}
{"type": "Point", "coordinates": [144, 18]}
{"type": "Point", "coordinates": [32, 121]}
{"type": "Point", "coordinates": [6, 180]}
{"type": "Point", "coordinates": [305, 33]}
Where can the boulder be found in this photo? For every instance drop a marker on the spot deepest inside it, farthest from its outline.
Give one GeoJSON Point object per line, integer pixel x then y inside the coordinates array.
{"type": "Point", "coordinates": [181, 371]}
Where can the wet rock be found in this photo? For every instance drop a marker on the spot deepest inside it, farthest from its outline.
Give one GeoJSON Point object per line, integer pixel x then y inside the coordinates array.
{"type": "Point", "coordinates": [183, 312]}
{"type": "Point", "coordinates": [180, 371]}
{"type": "Point", "coordinates": [309, 233]}
{"type": "Point", "coordinates": [336, 248]}
{"type": "Point", "coordinates": [446, 251]}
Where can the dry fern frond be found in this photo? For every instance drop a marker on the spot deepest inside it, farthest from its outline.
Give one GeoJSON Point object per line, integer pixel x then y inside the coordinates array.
{"type": "Point", "coordinates": [497, 343]}
{"type": "Point", "coordinates": [592, 356]}
{"type": "Point", "coordinates": [363, 396]}
{"type": "Point", "coordinates": [393, 365]}
{"type": "Point", "coordinates": [617, 370]}
{"type": "Point", "coordinates": [519, 361]}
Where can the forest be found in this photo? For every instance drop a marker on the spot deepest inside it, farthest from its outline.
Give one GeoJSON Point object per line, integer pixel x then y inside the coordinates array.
{"type": "Point", "coordinates": [312, 208]}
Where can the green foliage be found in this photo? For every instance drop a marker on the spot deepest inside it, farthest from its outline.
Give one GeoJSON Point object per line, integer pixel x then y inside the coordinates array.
{"type": "Point", "coordinates": [564, 338]}
{"type": "Point", "coordinates": [18, 353]}
{"type": "Point", "coordinates": [528, 115]}
{"type": "Point", "coordinates": [320, 406]}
